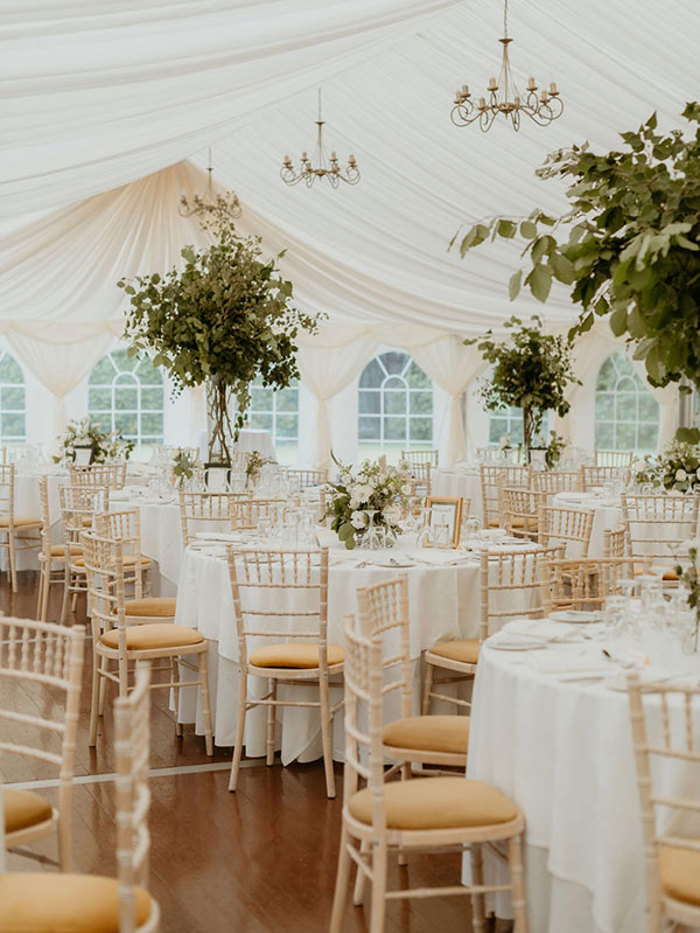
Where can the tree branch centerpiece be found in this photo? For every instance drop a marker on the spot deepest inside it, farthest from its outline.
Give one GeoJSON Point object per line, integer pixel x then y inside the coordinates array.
{"type": "Point", "coordinates": [366, 504]}
{"type": "Point", "coordinates": [531, 371]}
{"type": "Point", "coordinates": [223, 319]}
{"type": "Point", "coordinates": [628, 248]}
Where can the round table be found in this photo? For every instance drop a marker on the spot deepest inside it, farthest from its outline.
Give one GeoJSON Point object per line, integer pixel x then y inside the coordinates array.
{"type": "Point", "coordinates": [562, 750]}
{"type": "Point", "coordinates": [464, 482]}
{"type": "Point", "coordinates": [607, 515]}
{"type": "Point", "coordinates": [161, 535]}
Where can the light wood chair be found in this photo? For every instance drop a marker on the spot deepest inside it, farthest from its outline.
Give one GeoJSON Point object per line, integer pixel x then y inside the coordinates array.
{"type": "Point", "coordinates": [248, 513]}
{"type": "Point", "coordinates": [111, 475]}
{"type": "Point", "coordinates": [52, 557]}
{"type": "Point", "coordinates": [596, 476]}
{"type": "Point", "coordinates": [553, 481]}
{"type": "Point", "coordinates": [510, 587]}
{"type": "Point", "coordinates": [126, 631]}
{"type": "Point", "coordinates": [420, 478]}
{"type": "Point", "coordinates": [306, 478]}
{"type": "Point", "coordinates": [655, 528]}
{"type": "Point", "coordinates": [615, 542]}
{"type": "Point", "coordinates": [421, 456]}
{"type": "Point", "coordinates": [664, 720]}
{"type": "Point", "coordinates": [45, 903]}
{"type": "Point", "coordinates": [493, 479]}
{"type": "Point", "coordinates": [614, 458]}
{"type": "Point", "coordinates": [568, 527]}
{"type": "Point", "coordinates": [126, 526]}
{"type": "Point", "coordinates": [582, 584]}
{"type": "Point", "coordinates": [17, 532]}
{"type": "Point", "coordinates": [280, 601]}
{"type": "Point", "coordinates": [205, 511]}
{"type": "Point", "coordinates": [400, 817]}
{"type": "Point", "coordinates": [520, 511]}
{"type": "Point", "coordinates": [40, 653]}
{"type": "Point", "coordinates": [435, 740]}
{"type": "Point", "coordinates": [79, 505]}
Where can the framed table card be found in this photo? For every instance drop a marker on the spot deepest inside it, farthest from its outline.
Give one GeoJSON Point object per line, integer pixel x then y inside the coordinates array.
{"type": "Point", "coordinates": [82, 454]}
{"type": "Point", "coordinates": [217, 477]}
{"type": "Point", "coordinates": [445, 522]}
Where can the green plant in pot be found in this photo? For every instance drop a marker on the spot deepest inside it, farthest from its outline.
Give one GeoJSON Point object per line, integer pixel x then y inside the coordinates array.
{"type": "Point", "coordinates": [531, 370]}
{"type": "Point", "coordinates": [628, 248]}
{"type": "Point", "coordinates": [225, 317]}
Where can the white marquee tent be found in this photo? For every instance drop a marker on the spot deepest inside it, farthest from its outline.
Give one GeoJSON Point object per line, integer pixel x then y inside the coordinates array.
{"type": "Point", "coordinates": [109, 108]}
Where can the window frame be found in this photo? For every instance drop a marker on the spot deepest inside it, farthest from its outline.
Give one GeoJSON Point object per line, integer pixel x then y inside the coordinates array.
{"type": "Point", "coordinates": [638, 390]}
{"type": "Point", "coordinates": [274, 413]}
{"type": "Point", "coordinates": [6, 439]}
{"type": "Point", "coordinates": [409, 415]}
{"type": "Point", "coordinates": [141, 438]}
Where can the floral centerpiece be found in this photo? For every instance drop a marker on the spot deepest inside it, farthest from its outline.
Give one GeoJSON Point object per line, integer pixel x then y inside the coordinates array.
{"type": "Point", "coordinates": [103, 445]}
{"type": "Point", "coordinates": [184, 465]}
{"type": "Point", "coordinates": [254, 464]}
{"type": "Point", "coordinates": [369, 496]}
{"type": "Point", "coordinates": [689, 578]}
{"type": "Point", "coordinates": [676, 470]}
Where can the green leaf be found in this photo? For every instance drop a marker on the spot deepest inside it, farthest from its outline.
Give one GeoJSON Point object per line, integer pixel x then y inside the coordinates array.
{"type": "Point", "coordinates": [688, 435]}
{"type": "Point", "coordinates": [528, 230]}
{"type": "Point", "coordinates": [506, 229]}
{"type": "Point", "coordinates": [514, 284]}
{"type": "Point", "coordinates": [562, 267]}
{"type": "Point", "coordinates": [541, 282]}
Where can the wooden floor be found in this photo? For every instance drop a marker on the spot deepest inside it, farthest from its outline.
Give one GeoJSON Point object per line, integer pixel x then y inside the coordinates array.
{"type": "Point", "coordinates": [263, 858]}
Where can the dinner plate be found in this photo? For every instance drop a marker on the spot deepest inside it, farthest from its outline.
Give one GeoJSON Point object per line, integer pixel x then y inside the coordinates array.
{"type": "Point", "coordinates": [576, 616]}
{"type": "Point", "coordinates": [394, 562]}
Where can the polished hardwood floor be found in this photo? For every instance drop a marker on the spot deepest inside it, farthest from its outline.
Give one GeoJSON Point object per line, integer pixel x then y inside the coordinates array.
{"type": "Point", "coordinates": [262, 859]}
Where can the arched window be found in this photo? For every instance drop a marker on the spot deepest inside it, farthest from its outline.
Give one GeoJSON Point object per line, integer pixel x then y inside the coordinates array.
{"type": "Point", "coordinates": [127, 394]}
{"type": "Point", "coordinates": [278, 413]}
{"type": "Point", "coordinates": [13, 402]}
{"type": "Point", "coordinates": [507, 421]}
{"type": "Point", "coordinates": [626, 413]}
{"type": "Point", "coordinates": [395, 402]}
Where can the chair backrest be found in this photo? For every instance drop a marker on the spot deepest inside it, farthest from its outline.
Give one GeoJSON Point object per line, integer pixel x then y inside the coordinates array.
{"type": "Point", "coordinates": [132, 747]}
{"type": "Point", "coordinates": [657, 525]}
{"type": "Point", "coordinates": [307, 478]}
{"type": "Point", "coordinates": [582, 584]}
{"type": "Point", "coordinates": [248, 513]}
{"type": "Point", "coordinates": [125, 526]}
{"type": "Point", "coordinates": [420, 478]}
{"type": "Point", "coordinates": [568, 527]}
{"type": "Point", "coordinates": [592, 476]}
{"type": "Point", "coordinates": [615, 541]}
{"type": "Point", "coordinates": [7, 491]}
{"type": "Point", "coordinates": [50, 656]}
{"type": "Point", "coordinates": [520, 510]}
{"type": "Point", "coordinates": [106, 590]}
{"type": "Point", "coordinates": [421, 456]}
{"type": "Point", "coordinates": [664, 719]}
{"type": "Point", "coordinates": [280, 595]}
{"type": "Point", "coordinates": [614, 458]}
{"type": "Point", "coordinates": [493, 479]}
{"type": "Point", "coordinates": [79, 505]}
{"type": "Point", "coordinates": [205, 511]}
{"type": "Point", "coordinates": [383, 615]}
{"type": "Point", "coordinates": [511, 586]}
{"type": "Point", "coordinates": [111, 474]}
{"type": "Point", "coordinates": [554, 481]}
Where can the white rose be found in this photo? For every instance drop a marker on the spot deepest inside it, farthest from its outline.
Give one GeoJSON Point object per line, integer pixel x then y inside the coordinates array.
{"type": "Point", "coordinates": [354, 502]}
{"type": "Point", "coordinates": [681, 475]}
{"type": "Point", "coordinates": [638, 466]}
{"type": "Point", "coordinates": [697, 472]}
{"type": "Point", "coordinates": [363, 491]}
{"type": "Point", "coordinates": [358, 520]}
{"type": "Point", "coordinates": [406, 490]}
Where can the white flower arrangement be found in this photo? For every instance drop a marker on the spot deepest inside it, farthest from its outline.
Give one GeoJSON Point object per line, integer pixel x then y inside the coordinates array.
{"type": "Point", "coordinates": [358, 492]}
{"type": "Point", "coordinates": [676, 470]}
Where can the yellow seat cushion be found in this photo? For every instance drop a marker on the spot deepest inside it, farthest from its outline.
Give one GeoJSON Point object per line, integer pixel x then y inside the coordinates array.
{"type": "Point", "coordinates": [429, 734]}
{"type": "Point", "coordinates": [161, 607]}
{"type": "Point", "coordinates": [302, 655]}
{"type": "Point", "coordinates": [42, 902]}
{"type": "Point", "coordinates": [23, 808]}
{"type": "Point", "coordinates": [19, 520]}
{"type": "Point", "coordinates": [436, 803]}
{"type": "Point", "coordinates": [154, 635]}
{"type": "Point", "coordinates": [58, 550]}
{"type": "Point", "coordinates": [679, 871]}
{"type": "Point", "coordinates": [465, 650]}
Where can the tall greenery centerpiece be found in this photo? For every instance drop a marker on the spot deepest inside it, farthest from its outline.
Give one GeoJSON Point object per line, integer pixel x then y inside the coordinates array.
{"type": "Point", "coordinates": [531, 371]}
{"type": "Point", "coordinates": [223, 319]}
{"type": "Point", "coordinates": [629, 247]}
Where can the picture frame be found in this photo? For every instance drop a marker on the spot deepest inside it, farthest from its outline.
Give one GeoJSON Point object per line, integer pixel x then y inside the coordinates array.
{"type": "Point", "coordinates": [82, 454]}
{"type": "Point", "coordinates": [217, 477]}
{"type": "Point", "coordinates": [449, 513]}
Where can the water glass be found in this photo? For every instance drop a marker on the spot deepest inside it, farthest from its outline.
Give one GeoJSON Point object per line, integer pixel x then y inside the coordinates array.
{"type": "Point", "coordinates": [615, 613]}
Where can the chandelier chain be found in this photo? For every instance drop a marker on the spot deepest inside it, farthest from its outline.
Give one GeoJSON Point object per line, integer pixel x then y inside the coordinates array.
{"type": "Point", "coordinates": [505, 19]}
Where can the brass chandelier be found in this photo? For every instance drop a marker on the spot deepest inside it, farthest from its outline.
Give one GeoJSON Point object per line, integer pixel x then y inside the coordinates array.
{"type": "Point", "coordinates": [324, 167]}
{"type": "Point", "coordinates": [227, 204]}
{"type": "Point", "coordinates": [505, 98]}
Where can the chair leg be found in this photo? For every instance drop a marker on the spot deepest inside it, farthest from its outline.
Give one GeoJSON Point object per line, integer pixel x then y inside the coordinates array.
{"type": "Point", "coordinates": [378, 907]}
{"type": "Point", "coordinates": [45, 595]}
{"type": "Point", "coordinates": [515, 864]}
{"type": "Point", "coordinates": [66, 593]}
{"type": "Point", "coordinates": [240, 728]}
{"type": "Point", "coordinates": [95, 698]}
{"type": "Point", "coordinates": [102, 689]}
{"type": "Point", "coordinates": [478, 911]}
{"type": "Point", "coordinates": [427, 687]}
{"type": "Point", "coordinates": [341, 883]}
{"type": "Point", "coordinates": [74, 602]}
{"type": "Point", "coordinates": [175, 674]}
{"type": "Point", "coordinates": [206, 702]}
{"type": "Point", "coordinates": [123, 677]}
{"type": "Point", "coordinates": [271, 724]}
{"type": "Point", "coordinates": [13, 566]}
{"type": "Point", "coordinates": [64, 842]}
{"type": "Point", "coordinates": [40, 595]}
{"type": "Point", "coordinates": [326, 725]}
{"type": "Point", "coordinates": [358, 894]}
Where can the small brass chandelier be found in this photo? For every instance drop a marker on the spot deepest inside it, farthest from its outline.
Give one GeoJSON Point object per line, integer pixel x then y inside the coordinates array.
{"type": "Point", "coordinates": [211, 204]}
{"type": "Point", "coordinates": [505, 98]}
{"type": "Point", "coordinates": [325, 167]}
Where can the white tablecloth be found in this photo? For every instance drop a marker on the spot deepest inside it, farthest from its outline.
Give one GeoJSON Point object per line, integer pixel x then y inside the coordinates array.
{"type": "Point", "coordinates": [161, 538]}
{"type": "Point", "coordinates": [465, 483]}
{"type": "Point", "coordinates": [28, 505]}
{"type": "Point", "coordinates": [563, 753]}
{"type": "Point", "coordinates": [607, 515]}
{"type": "Point", "coordinates": [248, 439]}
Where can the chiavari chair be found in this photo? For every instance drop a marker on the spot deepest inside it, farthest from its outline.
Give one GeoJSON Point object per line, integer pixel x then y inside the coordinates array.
{"type": "Point", "coordinates": [205, 511]}
{"type": "Point", "coordinates": [125, 631]}
{"type": "Point", "coordinates": [248, 513]}
{"type": "Point", "coordinates": [420, 479]}
{"type": "Point", "coordinates": [665, 719]}
{"type": "Point", "coordinates": [398, 817]}
{"type": "Point", "coordinates": [510, 587]}
{"type": "Point", "coordinates": [656, 526]}
{"type": "Point", "coordinates": [126, 526]}
{"type": "Point", "coordinates": [615, 542]}
{"type": "Point", "coordinates": [17, 532]}
{"type": "Point", "coordinates": [568, 527]}
{"type": "Point", "coordinates": [593, 477]}
{"type": "Point", "coordinates": [52, 557]}
{"type": "Point", "coordinates": [46, 903]}
{"type": "Point", "coordinates": [79, 505]}
{"type": "Point", "coordinates": [48, 656]}
{"type": "Point", "coordinates": [520, 511]}
{"type": "Point", "coordinates": [614, 458]}
{"type": "Point", "coordinates": [111, 475]}
{"type": "Point", "coordinates": [582, 584]}
{"type": "Point", "coordinates": [553, 481]}
{"type": "Point", "coordinates": [493, 479]}
{"type": "Point", "coordinates": [305, 479]}
{"type": "Point", "coordinates": [280, 601]}
{"type": "Point", "coordinates": [421, 456]}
